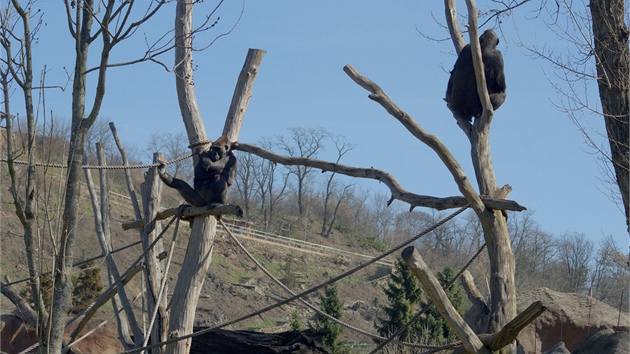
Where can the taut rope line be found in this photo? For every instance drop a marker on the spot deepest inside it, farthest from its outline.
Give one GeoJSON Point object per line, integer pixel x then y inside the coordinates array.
{"type": "Point", "coordinates": [93, 167]}
{"type": "Point", "coordinates": [306, 292]}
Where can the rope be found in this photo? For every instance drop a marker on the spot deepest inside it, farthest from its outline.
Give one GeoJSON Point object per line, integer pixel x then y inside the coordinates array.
{"type": "Point", "coordinates": [428, 305]}
{"type": "Point", "coordinates": [304, 293]}
{"type": "Point", "coordinates": [202, 142]}
{"type": "Point", "coordinates": [94, 167]}
{"type": "Point", "coordinates": [133, 265]}
{"type": "Point", "coordinates": [80, 263]}
{"type": "Point", "coordinates": [314, 308]}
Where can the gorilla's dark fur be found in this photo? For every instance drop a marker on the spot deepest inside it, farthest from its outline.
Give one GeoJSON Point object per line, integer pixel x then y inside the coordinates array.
{"type": "Point", "coordinates": [214, 175]}
{"type": "Point", "coordinates": [461, 93]}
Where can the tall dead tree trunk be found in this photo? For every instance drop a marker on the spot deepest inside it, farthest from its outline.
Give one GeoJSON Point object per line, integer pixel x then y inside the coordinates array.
{"type": "Point", "coordinates": [612, 60]}
{"type": "Point", "coordinates": [199, 251]}
{"type": "Point", "coordinates": [502, 284]}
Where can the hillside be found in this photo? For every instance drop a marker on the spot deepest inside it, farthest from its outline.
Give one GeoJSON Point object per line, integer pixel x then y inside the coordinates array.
{"type": "Point", "coordinates": [234, 286]}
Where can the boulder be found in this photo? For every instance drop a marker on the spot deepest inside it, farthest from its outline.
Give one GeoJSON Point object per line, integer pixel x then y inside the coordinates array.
{"type": "Point", "coordinates": [605, 340]}
{"type": "Point", "coordinates": [569, 318]}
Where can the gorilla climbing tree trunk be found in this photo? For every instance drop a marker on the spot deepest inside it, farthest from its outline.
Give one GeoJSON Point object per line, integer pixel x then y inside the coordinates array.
{"type": "Point", "coordinates": [199, 251]}
{"type": "Point", "coordinates": [502, 283]}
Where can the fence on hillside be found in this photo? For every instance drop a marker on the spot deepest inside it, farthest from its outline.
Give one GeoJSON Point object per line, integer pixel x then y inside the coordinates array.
{"type": "Point", "coordinates": [240, 230]}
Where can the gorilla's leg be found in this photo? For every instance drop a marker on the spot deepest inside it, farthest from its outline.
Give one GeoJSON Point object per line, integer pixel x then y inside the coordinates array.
{"type": "Point", "coordinates": [187, 192]}
{"type": "Point", "coordinates": [190, 195]}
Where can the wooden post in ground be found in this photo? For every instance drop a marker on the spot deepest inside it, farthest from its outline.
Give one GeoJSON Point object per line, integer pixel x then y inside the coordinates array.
{"type": "Point", "coordinates": [199, 252]}
{"type": "Point", "coordinates": [151, 199]}
{"type": "Point", "coordinates": [417, 266]}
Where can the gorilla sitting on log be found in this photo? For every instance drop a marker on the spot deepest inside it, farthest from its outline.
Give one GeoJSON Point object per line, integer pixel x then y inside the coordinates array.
{"type": "Point", "coordinates": [214, 175]}
{"type": "Point", "coordinates": [461, 93]}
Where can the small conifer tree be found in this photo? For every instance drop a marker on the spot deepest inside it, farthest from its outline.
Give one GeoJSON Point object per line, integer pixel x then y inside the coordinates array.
{"type": "Point", "coordinates": [432, 323]}
{"type": "Point", "coordinates": [331, 305]}
{"type": "Point", "coordinates": [403, 293]}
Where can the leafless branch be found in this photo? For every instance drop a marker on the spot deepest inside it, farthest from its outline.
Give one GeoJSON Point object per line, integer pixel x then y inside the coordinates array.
{"type": "Point", "coordinates": [396, 189]}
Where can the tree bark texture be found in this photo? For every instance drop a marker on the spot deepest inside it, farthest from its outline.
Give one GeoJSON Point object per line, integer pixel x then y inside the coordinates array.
{"type": "Point", "coordinates": [502, 283]}
{"type": "Point", "coordinates": [154, 272]}
{"type": "Point", "coordinates": [612, 60]}
{"type": "Point", "coordinates": [440, 300]}
{"type": "Point", "coordinates": [199, 251]}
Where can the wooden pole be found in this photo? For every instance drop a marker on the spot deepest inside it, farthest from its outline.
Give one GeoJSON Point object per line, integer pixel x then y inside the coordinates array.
{"type": "Point", "coordinates": [419, 268]}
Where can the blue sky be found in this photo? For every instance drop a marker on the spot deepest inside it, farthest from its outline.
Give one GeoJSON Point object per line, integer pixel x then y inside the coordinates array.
{"type": "Point", "coordinates": [535, 147]}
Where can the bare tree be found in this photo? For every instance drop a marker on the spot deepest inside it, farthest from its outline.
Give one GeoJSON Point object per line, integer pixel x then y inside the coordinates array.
{"type": "Point", "coordinates": [17, 67]}
{"type": "Point", "coordinates": [610, 275]}
{"type": "Point", "coordinates": [302, 143]}
{"type": "Point", "coordinates": [534, 251]}
{"type": "Point", "coordinates": [342, 147]}
{"type": "Point", "coordinates": [597, 50]}
{"type": "Point", "coordinates": [245, 181]}
{"type": "Point", "coordinates": [575, 253]}
{"type": "Point", "coordinates": [109, 22]}
{"type": "Point", "coordinates": [268, 190]}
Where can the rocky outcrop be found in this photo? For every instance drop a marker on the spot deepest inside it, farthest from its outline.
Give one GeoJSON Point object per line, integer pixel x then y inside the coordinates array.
{"type": "Point", "coordinates": [569, 318]}
{"type": "Point", "coordinates": [605, 340]}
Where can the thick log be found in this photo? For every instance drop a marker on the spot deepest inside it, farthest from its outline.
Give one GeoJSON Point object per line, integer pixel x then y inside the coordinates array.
{"type": "Point", "coordinates": [151, 190]}
{"type": "Point", "coordinates": [189, 212]}
{"type": "Point", "coordinates": [510, 331]}
{"type": "Point", "coordinates": [419, 268]}
{"type": "Point", "coordinates": [199, 252]}
{"type": "Point", "coordinates": [477, 316]}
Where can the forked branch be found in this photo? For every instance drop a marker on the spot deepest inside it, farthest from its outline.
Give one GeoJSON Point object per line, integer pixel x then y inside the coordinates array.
{"type": "Point", "coordinates": [378, 95]}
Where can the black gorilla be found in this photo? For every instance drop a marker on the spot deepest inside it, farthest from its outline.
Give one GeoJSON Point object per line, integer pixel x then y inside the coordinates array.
{"type": "Point", "coordinates": [214, 175]}
{"type": "Point", "coordinates": [461, 93]}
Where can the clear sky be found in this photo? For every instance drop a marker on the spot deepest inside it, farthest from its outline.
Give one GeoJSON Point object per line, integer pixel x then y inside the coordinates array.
{"type": "Point", "coordinates": [536, 148]}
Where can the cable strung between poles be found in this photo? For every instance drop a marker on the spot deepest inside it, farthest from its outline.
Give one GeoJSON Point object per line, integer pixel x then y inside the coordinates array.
{"type": "Point", "coordinates": [320, 312]}
{"type": "Point", "coordinates": [306, 292]}
{"type": "Point", "coordinates": [424, 309]}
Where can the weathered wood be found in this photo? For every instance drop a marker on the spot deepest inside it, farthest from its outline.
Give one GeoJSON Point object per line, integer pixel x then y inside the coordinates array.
{"type": "Point", "coordinates": [398, 192]}
{"type": "Point", "coordinates": [26, 311]}
{"type": "Point", "coordinates": [151, 199]}
{"type": "Point", "coordinates": [477, 315]}
{"type": "Point", "coordinates": [421, 271]}
{"type": "Point", "coordinates": [242, 94]}
{"type": "Point", "coordinates": [199, 252]}
{"type": "Point", "coordinates": [189, 212]}
{"type": "Point", "coordinates": [510, 331]}
{"type": "Point", "coordinates": [102, 227]}
{"type": "Point", "coordinates": [502, 285]}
